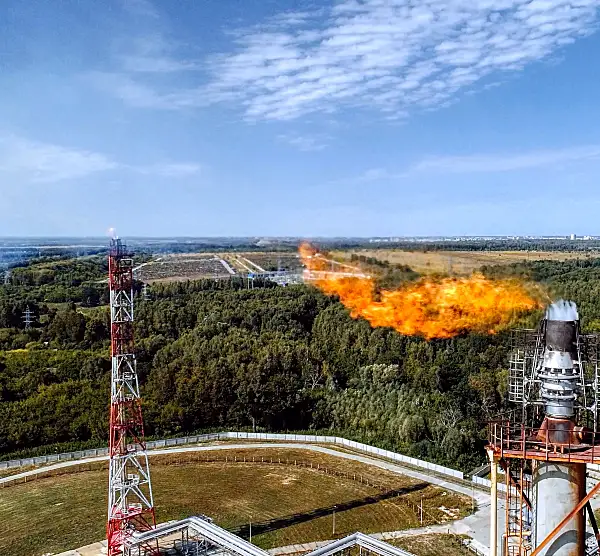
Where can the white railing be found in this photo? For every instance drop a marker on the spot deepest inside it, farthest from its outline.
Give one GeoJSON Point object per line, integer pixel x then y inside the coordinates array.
{"type": "Point", "coordinates": [169, 442]}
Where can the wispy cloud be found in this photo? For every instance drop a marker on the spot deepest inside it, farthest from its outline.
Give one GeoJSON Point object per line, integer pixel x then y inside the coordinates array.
{"type": "Point", "coordinates": [38, 162]}
{"type": "Point", "coordinates": [170, 170]}
{"type": "Point", "coordinates": [129, 90]}
{"type": "Point", "coordinates": [152, 53]}
{"type": "Point", "coordinates": [371, 175]}
{"type": "Point", "coordinates": [489, 163]}
{"type": "Point", "coordinates": [43, 162]}
{"type": "Point", "coordinates": [160, 64]}
{"type": "Point", "coordinates": [143, 8]}
{"type": "Point", "coordinates": [506, 162]}
{"type": "Point", "coordinates": [389, 56]}
{"type": "Point", "coordinates": [132, 91]}
{"type": "Point", "coordinates": [143, 71]}
{"type": "Point", "coordinates": [305, 142]}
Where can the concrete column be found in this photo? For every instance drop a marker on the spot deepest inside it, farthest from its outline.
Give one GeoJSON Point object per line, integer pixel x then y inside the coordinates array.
{"type": "Point", "coordinates": [557, 489]}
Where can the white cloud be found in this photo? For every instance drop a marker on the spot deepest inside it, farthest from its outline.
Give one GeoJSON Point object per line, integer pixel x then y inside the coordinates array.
{"type": "Point", "coordinates": [37, 162]}
{"type": "Point", "coordinates": [158, 64]}
{"type": "Point", "coordinates": [170, 170]}
{"type": "Point", "coordinates": [389, 55]}
{"type": "Point", "coordinates": [128, 90]}
{"type": "Point", "coordinates": [142, 74]}
{"type": "Point", "coordinates": [142, 8]}
{"type": "Point", "coordinates": [43, 162]}
{"type": "Point", "coordinates": [480, 163]}
{"type": "Point", "coordinates": [152, 53]}
{"type": "Point", "coordinates": [506, 162]}
{"type": "Point", "coordinates": [369, 176]}
{"type": "Point", "coordinates": [304, 142]}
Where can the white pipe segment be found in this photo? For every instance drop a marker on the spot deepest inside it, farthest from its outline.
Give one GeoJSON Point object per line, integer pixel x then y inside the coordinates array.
{"type": "Point", "coordinates": [213, 533]}
{"type": "Point", "coordinates": [240, 547]}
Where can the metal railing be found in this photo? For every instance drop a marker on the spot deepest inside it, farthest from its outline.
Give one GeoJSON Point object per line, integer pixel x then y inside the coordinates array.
{"type": "Point", "coordinates": [516, 440]}
{"type": "Point", "coordinates": [236, 546]}
{"type": "Point", "coordinates": [363, 541]}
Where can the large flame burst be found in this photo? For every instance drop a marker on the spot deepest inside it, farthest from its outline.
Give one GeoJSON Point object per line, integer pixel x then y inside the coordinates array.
{"type": "Point", "coordinates": [432, 308]}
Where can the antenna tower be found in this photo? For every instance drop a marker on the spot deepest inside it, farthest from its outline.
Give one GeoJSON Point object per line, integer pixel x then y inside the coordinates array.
{"type": "Point", "coordinates": [130, 501]}
{"type": "Point", "coordinates": [28, 317]}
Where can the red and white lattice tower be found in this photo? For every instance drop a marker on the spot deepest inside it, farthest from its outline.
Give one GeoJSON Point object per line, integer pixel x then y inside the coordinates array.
{"type": "Point", "coordinates": [130, 502]}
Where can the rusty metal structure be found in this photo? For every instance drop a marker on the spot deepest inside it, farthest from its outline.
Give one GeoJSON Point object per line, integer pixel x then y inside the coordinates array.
{"type": "Point", "coordinates": [130, 502]}
{"type": "Point", "coordinates": [544, 445]}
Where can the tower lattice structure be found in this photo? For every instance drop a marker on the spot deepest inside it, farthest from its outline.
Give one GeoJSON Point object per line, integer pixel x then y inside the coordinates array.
{"type": "Point", "coordinates": [130, 501]}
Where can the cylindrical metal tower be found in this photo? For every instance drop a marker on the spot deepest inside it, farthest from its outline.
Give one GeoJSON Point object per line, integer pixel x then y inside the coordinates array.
{"type": "Point", "coordinates": [130, 502]}
{"type": "Point", "coordinates": [544, 451]}
{"type": "Point", "coordinates": [557, 489]}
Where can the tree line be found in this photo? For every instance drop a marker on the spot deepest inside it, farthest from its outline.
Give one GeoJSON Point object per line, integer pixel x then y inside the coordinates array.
{"type": "Point", "coordinates": [216, 355]}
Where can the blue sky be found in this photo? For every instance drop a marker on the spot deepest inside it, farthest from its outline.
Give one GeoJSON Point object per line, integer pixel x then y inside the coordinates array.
{"type": "Point", "coordinates": [304, 118]}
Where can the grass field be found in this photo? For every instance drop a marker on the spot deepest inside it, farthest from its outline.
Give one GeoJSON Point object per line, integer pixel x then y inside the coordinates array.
{"type": "Point", "coordinates": [287, 503]}
{"type": "Point", "coordinates": [459, 262]}
{"type": "Point", "coordinates": [432, 545]}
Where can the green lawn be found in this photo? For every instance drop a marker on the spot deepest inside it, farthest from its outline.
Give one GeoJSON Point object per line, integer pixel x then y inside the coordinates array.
{"type": "Point", "coordinates": [89, 311]}
{"type": "Point", "coordinates": [287, 504]}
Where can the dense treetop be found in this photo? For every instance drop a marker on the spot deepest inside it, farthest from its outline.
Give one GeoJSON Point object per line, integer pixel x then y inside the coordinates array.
{"type": "Point", "coordinates": [215, 355]}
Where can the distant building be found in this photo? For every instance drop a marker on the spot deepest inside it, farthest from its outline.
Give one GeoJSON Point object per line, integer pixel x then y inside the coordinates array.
{"type": "Point", "coordinates": [573, 237]}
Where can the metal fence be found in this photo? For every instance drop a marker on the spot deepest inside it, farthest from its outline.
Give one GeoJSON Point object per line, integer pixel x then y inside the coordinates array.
{"type": "Point", "coordinates": [487, 483]}
{"type": "Point", "coordinates": [171, 442]}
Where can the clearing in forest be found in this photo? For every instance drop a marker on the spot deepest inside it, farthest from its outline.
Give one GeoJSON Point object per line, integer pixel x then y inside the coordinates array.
{"type": "Point", "coordinates": [460, 262]}
{"type": "Point", "coordinates": [196, 266]}
{"type": "Point", "coordinates": [287, 500]}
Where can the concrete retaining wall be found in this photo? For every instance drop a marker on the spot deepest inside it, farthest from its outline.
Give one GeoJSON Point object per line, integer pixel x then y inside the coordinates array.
{"type": "Point", "coordinates": [170, 442]}
{"type": "Point", "coordinates": [487, 483]}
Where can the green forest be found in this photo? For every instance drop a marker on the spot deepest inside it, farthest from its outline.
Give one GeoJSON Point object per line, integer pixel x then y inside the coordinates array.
{"type": "Point", "coordinates": [213, 355]}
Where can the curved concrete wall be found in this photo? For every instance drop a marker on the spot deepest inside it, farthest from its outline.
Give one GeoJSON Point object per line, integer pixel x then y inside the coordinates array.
{"type": "Point", "coordinates": [244, 436]}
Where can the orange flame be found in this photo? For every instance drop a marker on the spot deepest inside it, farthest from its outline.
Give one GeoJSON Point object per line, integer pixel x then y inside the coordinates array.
{"type": "Point", "coordinates": [432, 308]}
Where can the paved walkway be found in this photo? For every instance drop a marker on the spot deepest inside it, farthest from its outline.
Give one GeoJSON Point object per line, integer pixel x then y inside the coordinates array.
{"type": "Point", "coordinates": [476, 525]}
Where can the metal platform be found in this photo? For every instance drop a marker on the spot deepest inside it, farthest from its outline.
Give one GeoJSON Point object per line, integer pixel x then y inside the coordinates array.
{"type": "Point", "coordinates": [516, 440]}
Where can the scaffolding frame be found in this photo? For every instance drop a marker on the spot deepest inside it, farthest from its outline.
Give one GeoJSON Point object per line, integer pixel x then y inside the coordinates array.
{"type": "Point", "coordinates": [517, 537]}
{"type": "Point", "coordinates": [521, 440]}
{"type": "Point", "coordinates": [526, 361]}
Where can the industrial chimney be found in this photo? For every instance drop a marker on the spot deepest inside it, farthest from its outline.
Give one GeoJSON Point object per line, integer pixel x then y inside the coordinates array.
{"type": "Point", "coordinates": [545, 445]}
{"type": "Point", "coordinates": [559, 487]}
